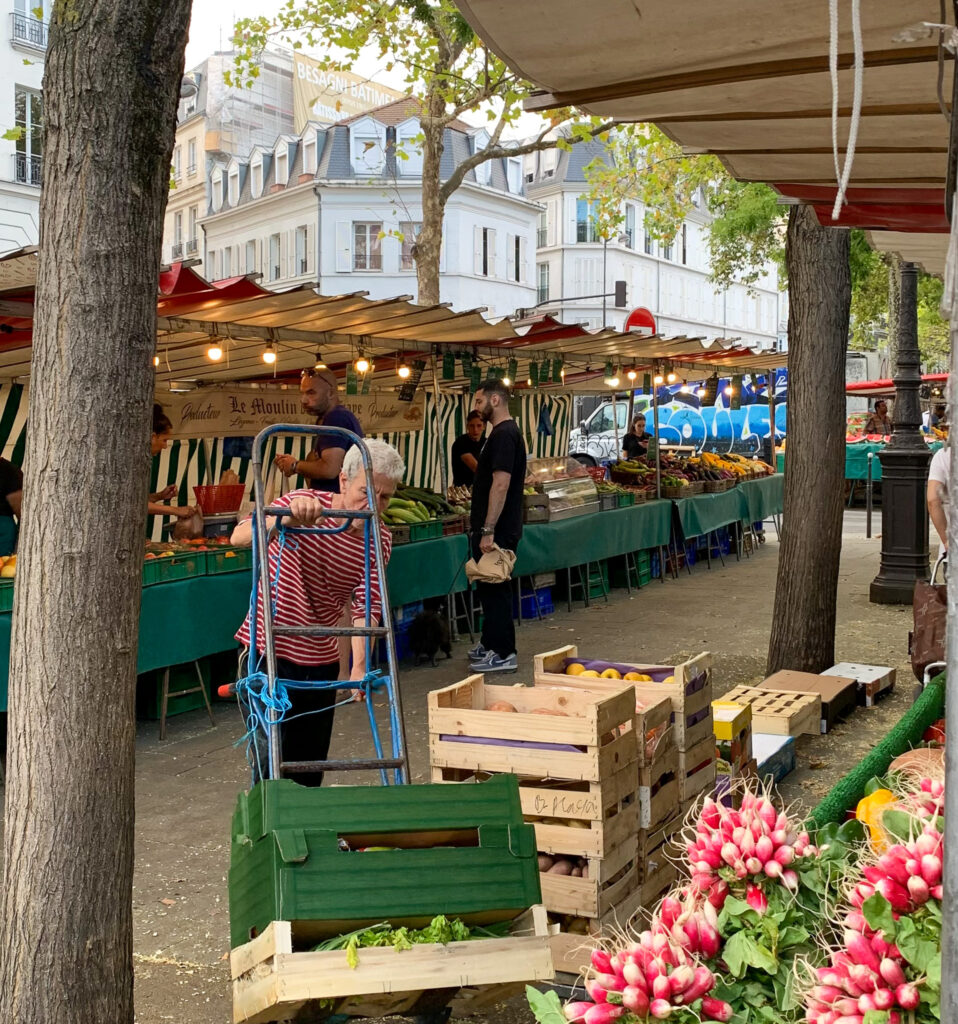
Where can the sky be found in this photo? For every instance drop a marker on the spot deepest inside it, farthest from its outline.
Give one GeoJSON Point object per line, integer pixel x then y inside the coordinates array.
{"type": "Point", "coordinates": [211, 28]}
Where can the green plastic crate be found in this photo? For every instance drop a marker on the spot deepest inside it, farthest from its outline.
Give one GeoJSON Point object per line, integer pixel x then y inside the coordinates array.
{"type": "Point", "coordinates": [149, 691]}
{"type": "Point", "coordinates": [640, 577]}
{"type": "Point", "coordinates": [179, 566]}
{"type": "Point", "coordinates": [286, 864]}
{"type": "Point", "coordinates": [425, 531]}
{"type": "Point", "coordinates": [228, 559]}
{"type": "Point", "coordinates": [6, 595]}
{"type": "Point", "coordinates": [626, 500]}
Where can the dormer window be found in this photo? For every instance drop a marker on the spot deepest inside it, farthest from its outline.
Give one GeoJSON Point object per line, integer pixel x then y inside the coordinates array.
{"type": "Point", "coordinates": [549, 157]}
{"type": "Point", "coordinates": [529, 167]}
{"type": "Point", "coordinates": [282, 166]}
{"type": "Point", "coordinates": [367, 146]}
{"type": "Point", "coordinates": [309, 155]}
{"type": "Point", "coordinates": [514, 174]}
{"type": "Point", "coordinates": [483, 171]}
{"type": "Point", "coordinates": [256, 177]}
{"type": "Point", "coordinates": [233, 185]}
{"type": "Point", "coordinates": [216, 189]}
{"type": "Point", "coordinates": [409, 148]}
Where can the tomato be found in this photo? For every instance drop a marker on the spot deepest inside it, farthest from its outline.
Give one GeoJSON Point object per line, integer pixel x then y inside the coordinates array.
{"type": "Point", "coordinates": [935, 733]}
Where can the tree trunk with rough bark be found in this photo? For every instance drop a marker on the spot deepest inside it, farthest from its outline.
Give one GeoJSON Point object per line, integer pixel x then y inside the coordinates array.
{"type": "Point", "coordinates": [806, 591]}
{"type": "Point", "coordinates": [429, 242]}
{"type": "Point", "coordinates": [111, 88]}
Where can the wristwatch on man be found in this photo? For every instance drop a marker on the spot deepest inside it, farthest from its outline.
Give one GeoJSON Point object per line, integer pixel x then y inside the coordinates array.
{"type": "Point", "coordinates": [487, 531]}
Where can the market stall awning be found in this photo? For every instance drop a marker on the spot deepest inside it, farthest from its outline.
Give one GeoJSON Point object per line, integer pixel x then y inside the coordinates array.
{"type": "Point", "coordinates": [242, 319]}
{"type": "Point", "coordinates": [886, 386]}
{"type": "Point", "coordinates": [750, 81]}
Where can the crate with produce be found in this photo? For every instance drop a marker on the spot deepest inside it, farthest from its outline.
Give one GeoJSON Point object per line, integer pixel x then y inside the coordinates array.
{"type": "Point", "coordinates": [311, 919]}
{"type": "Point", "coordinates": [423, 512]}
{"type": "Point", "coordinates": [576, 756]}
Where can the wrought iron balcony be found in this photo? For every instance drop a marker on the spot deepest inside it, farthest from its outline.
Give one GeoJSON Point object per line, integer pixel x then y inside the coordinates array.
{"type": "Point", "coordinates": [191, 245]}
{"type": "Point", "coordinates": [27, 31]}
{"type": "Point", "coordinates": [542, 237]}
{"type": "Point", "coordinates": [177, 250]}
{"type": "Point", "coordinates": [27, 170]}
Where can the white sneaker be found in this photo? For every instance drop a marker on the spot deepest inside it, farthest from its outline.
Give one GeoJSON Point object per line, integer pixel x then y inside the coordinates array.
{"type": "Point", "coordinates": [493, 663]}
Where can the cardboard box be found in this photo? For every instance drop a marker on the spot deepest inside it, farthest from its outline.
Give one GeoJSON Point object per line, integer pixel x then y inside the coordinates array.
{"type": "Point", "coordinates": [775, 755]}
{"type": "Point", "coordinates": [839, 694]}
{"type": "Point", "coordinates": [729, 719]}
{"type": "Point", "coordinates": [874, 681]}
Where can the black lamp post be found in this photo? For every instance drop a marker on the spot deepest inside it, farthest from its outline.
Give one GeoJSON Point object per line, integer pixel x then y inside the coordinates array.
{"type": "Point", "coordinates": [904, 466]}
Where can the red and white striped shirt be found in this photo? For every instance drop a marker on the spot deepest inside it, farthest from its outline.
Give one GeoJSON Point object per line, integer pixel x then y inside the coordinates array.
{"type": "Point", "coordinates": [320, 576]}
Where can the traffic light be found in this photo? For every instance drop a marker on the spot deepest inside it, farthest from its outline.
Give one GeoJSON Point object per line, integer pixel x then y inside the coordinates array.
{"type": "Point", "coordinates": [621, 299]}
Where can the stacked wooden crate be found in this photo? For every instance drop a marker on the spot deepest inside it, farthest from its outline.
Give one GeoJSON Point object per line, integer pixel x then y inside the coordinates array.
{"type": "Point", "coordinates": [578, 759]}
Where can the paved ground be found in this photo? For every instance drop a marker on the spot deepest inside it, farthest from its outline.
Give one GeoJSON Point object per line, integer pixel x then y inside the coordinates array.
{"type": "Point", "coordinates": [186, 786]}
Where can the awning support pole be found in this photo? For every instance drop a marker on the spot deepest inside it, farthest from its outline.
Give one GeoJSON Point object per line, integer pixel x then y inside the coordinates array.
{"type": "Point", "coordinates": [440, 439]}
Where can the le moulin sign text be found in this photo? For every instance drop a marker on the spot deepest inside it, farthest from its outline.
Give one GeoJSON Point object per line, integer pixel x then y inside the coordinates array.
{"type": "Point", "coordinates": [232, 412]}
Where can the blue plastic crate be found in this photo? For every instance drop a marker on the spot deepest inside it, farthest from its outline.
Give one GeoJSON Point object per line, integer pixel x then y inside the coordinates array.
{"type": "Point", "coordinates": [531, 599]}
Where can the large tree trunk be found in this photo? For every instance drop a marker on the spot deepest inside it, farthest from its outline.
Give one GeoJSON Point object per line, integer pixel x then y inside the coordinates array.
{"type": "Point", "coordinates": [110, 94]}
{"type": "Point", "coordinates": [819, 285]}
{"type": "Point", "coordinates": [430, 236]}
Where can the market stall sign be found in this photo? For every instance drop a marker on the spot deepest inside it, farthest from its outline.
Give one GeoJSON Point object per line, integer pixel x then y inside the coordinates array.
{"type": "Point", "coordinates": [239, 412]}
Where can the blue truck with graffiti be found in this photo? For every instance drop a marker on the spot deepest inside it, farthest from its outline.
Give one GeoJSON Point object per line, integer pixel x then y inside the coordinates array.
{"type": "Point", "coordinates": [684, 420]}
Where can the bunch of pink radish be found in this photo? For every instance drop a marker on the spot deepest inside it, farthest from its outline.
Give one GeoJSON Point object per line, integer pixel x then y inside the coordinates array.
{"type": "Point", "coordinates": [907, 874]}
{"type": "Point", "coordinates": [752, 844]}
{"type": "Point", "coordinates": [693, 925]}
{"type": "Point", "coordinates": [653, 978]}
{"type": "Point", "coordinates": [928, 800]}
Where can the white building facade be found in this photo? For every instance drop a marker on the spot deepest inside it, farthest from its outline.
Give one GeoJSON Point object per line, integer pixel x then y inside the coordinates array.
{"type": "Point", "coordinates": [334, 207]}
{"type": "Point", "coordinates": [669, 279]}
{"type": "Point", "coordinates": [23, 43]}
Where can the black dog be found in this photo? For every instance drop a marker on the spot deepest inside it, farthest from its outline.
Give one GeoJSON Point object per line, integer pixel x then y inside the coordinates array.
{"type": "Point", "coordinates": [429, 633]}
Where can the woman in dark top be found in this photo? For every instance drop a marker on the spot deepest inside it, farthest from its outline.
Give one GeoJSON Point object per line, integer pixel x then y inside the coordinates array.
{"type": "Point", "coordinates": [636, 441]}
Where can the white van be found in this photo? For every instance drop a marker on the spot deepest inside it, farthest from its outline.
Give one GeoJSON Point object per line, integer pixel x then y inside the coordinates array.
{"type": "Point", "coordinates": [593, 441]}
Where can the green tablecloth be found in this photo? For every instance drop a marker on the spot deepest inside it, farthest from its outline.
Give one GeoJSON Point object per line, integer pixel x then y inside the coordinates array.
{"type": "Point", "coordinates": [172, 630]}
{"type": "Point", "coordinates": [856, 459]}
{"type": "Point", "coordinates": [429, 568]}
{"type": "Point", "coordinates": [548, 546]}
{"type": "Point", "coordinates": [702, 513]}
{"type": "Point", "coordinates": [763, 497]}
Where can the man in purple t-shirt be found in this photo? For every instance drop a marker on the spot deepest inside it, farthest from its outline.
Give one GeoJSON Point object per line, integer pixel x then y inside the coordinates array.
{"type": "Point", "coordinates": [322, 466]}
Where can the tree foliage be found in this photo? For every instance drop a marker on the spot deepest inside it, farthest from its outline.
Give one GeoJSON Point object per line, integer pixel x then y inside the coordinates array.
{"type": "Point", "coordinates": [444, 65]}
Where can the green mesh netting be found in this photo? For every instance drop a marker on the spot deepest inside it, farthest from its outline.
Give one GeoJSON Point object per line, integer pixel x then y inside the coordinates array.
{"type": "Point", "coordinates": [906, 734]}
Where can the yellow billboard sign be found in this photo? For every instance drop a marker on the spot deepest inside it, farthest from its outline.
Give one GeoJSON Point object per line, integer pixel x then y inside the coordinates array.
{"type": "Point", "coordinates": [330, 94]}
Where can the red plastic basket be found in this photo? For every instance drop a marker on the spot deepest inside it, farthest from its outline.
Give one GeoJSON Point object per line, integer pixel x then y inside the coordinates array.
{"type": "Point", "coordinates": [219, 499]}
{"type": "Point", "coordinates": [597, 473]}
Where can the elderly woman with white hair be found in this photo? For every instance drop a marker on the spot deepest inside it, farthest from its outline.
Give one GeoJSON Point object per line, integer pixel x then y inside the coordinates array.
{"type": "Point", "coordinates": [323, 577]}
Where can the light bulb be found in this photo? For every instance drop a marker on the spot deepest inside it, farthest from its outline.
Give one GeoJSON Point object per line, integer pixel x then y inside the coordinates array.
{"type": "Point", "coordinates": [658, 378]}
{"type": "Point", "coordinates": [685, 389]}
{"type": "Point", "coordinates": [506, 381]}
{"type": "Point", "coordinates": [728, 389]}
{"type": "Point", "coordinates": [562, 373]}
{"type": "Point", "coordinates": [671, 378]}
{"type": "Point", "coordinates": [701, 392]}
{"type": "Point", "coordinates": [528, 382]}
{"type": "Point", "coordinates": [269, 356]}
{"type": "Point", "coordinates": [403, 371]}
{"type": "Point", "coordinates": [632, 375]}
{"type": "Point", "coordinates": [613, 382]}
{"type": "Point", "coordinates": [215, 353]}
{"type": "Point", "coordinates": [156, 360]}
{"type": "Point", "coordinates": [362, 365]}
{"type": "Point", "coordinates": [319, 364]}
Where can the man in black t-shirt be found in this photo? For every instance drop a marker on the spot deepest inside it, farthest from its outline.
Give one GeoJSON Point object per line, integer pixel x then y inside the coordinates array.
{"type": "Point", "coordinates": [11, 496]}
{"type": "Point", "coordinates": [466, 449]}
{"type": "Point", "coordinates": [497, 518]}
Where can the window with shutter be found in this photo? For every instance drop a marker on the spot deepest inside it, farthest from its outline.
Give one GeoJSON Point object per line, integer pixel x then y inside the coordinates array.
{"type": "Point", "coordinates": [478, 245]}
{"type": "Point", "coordinates": [344, 247]}
{"type": "Point", "coordinates": [275, 267]}
{"type": "Point", "coordinates": [522, 270]}
{"type": "Point", "coordinates": [511, 258]}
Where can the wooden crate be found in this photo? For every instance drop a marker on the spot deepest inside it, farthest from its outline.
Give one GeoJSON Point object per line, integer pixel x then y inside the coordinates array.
{"type": "Point", "coordinates": [690, 693]}
{"type": "Point", "coordinates": [697, 769]}
{"type": "Point", "coordinates": [610, 808]}
{"type": "Point", "coordinates": [271, 982]}
{"type": "Point", "coordinates": [659, 790]}
{"type": "Point", "coordinates": [592, 740]}
{"type": "Point", "coordinates": [659, 871]}
{"type": "Point", "coordinates": [571, 952]}
{"type": "Point", "coordinates": [779, 712]}
{"type": "Point", "coordinates": [612, 879]}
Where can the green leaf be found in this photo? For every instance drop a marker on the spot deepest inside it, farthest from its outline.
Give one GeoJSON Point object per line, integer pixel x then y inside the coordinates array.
{"type": "Point", "coordinates": [851, 832]}
{"type": "Point", "coordinates": [13, 134]}
{"type": "Point", "coordinates": [873, 785]}
{"type": "Point", "coordinates": [876, 1017]}
{"type": "Point", "coordinates": [934, 973]}
{"type": "Point", "coordinates": [792, 935]}
{"type": "Point", "coordinates": [742, 951]}
{"type": "Point", "coordinates": [545, 1006]}
{"type": "Point", "coordinates": [352, 954]}
{"type": "Point", "coordinates": [919, 952]}
{"type": "Point", "coordinates": [878, 913]}
{"type": "Point", "coordinates": [899, 824]}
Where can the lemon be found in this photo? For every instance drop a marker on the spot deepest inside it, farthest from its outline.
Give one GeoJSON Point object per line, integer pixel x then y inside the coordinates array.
{"type": "Point", "coordinates": [591, 673]}
{"type": "Point", "coordinates": [575, 669]}
{"type": "Point", "coordinates": [611, 673]}
{"type": "Point", "coordinates": [669, 679]}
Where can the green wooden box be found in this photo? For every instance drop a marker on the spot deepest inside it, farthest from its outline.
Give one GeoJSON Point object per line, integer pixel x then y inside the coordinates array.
{"type": "Point", "coordinates": [228, 559]}
{"type": "Point", "coordinates": [179, 566]}
{"type": "Point", "coordinates": [428, 530]}
{"type": "Point", "coordinates": [462, 851]}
